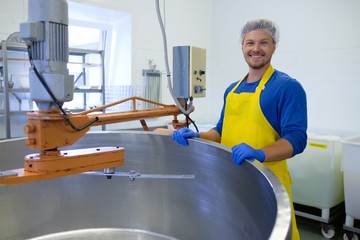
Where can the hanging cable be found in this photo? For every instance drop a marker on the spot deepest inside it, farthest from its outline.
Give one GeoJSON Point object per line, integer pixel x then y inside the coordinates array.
{"type": "Point", "coordinates": [168, 75]}
{"type": "Point", "coordinates": [56, 101]}
{"type": "Point", "coordinates": [188, 117]}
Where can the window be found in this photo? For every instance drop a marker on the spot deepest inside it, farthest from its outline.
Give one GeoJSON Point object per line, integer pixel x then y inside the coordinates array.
{"type": "Point", "coordinates": [98, 28]}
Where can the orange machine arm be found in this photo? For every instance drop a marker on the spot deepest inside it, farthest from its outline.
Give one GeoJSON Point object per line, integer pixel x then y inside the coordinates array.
{"type": "Point", "coordinates": [49, 130]}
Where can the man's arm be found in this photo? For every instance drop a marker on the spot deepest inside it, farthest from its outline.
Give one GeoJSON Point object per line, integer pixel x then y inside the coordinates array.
{"type": "Point", "coordinates": [280, 150]}
{"type": "Point", "coordinates": [211, 135]}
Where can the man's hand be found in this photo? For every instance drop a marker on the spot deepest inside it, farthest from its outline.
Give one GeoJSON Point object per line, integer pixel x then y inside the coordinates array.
{"type": "Point", "coordinates": [183, 134]}
{"type": "Point", "coordinates": [243, 151]}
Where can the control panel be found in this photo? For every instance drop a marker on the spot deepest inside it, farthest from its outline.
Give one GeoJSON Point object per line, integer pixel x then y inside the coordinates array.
{"type": "Point", "coordinates": [189, 72]}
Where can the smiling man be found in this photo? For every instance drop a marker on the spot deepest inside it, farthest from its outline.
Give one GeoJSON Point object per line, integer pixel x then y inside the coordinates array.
{"type": "Point", "coordinates": [264, 116]}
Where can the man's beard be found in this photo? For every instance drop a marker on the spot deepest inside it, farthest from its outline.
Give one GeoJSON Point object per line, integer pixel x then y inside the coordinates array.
{"type": "Point", "coordinates": [258, 65]}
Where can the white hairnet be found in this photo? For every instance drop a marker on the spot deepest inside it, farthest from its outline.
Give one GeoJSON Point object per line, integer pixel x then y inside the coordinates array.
{"type": "Point", "coordinates": [260, 24]}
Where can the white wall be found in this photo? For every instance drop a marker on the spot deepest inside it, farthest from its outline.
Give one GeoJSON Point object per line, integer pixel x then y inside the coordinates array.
{"type": "Point", "coordinates": [186, 22]}
{"type": "Point", "coordinates": [319, 46]}
{"type": "Point", "coordinates": [11, 16]}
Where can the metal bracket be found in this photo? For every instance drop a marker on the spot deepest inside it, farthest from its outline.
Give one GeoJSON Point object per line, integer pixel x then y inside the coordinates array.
{"type": "Point", "coordinates": [132, 175]}
{"type": "Point", "coordinates": [7, 174]}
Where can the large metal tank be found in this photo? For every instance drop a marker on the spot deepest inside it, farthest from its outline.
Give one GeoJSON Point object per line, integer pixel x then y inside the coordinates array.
{"type": "Point", "coordinates": [221, 201]}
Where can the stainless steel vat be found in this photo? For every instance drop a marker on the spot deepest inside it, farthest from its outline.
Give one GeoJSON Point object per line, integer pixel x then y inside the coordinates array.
{"type": "Point", "coordinates": [223, 201]}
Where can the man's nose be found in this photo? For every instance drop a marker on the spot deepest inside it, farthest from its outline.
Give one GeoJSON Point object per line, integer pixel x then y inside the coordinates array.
{"type": "Point", "coordinates": [256, 47]}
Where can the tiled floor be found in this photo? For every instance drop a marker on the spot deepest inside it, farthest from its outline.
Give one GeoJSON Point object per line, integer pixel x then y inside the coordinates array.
{"type": "Point", "coordinates": [311, 230]}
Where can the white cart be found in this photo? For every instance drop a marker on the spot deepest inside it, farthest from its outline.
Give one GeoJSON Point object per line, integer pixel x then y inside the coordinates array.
{"type": "Point", "coordinates": [351, 168]}
{"type": "Point", "coordinates": [318, 181]}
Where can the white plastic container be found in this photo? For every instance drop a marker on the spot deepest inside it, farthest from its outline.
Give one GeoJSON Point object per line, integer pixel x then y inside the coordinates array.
{"type": "Point", "coordinates": [351, 168]}
{"type": "Point", "coordinates": [317, 176]}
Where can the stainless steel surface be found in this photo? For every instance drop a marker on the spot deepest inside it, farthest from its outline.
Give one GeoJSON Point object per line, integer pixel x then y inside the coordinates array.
{"type": "Point", "coordinates": [222, 201]}
{"type": "Point", "coordinates": [99, 234]}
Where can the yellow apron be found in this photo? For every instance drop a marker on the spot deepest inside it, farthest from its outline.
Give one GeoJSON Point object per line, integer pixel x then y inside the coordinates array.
{"type": "Point", "coordinates": [245, 122]}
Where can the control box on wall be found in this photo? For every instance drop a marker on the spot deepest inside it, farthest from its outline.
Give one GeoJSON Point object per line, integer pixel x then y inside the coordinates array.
{"type": "Point", "coordinates": [189, 72]}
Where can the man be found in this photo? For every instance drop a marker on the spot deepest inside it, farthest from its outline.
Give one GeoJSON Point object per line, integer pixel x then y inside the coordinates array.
{"type": "Point", "coordinates": [264, 115]}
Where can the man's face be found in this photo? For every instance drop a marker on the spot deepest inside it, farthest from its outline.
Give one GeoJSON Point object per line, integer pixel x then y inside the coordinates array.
{"type": "Point", "coordinates": [258, 48]}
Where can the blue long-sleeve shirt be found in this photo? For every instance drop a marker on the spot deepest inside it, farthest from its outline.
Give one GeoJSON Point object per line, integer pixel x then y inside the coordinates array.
{"type": "Point", "coordinates": [283, 102]}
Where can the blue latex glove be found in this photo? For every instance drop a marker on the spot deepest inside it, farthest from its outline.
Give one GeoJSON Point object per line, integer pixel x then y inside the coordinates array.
{"type": "Point", "coordinates": [181, 135]}
{"type": "Point", "coordinates": [243, 151]}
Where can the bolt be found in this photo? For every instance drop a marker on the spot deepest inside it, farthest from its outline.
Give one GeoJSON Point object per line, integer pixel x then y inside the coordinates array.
{"type": "Point", "coordinates": [29, 129]}
{"type": "Point", "coordinates": [30, 141]}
